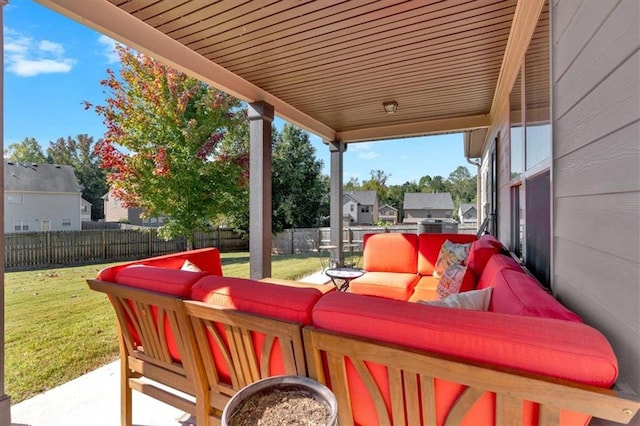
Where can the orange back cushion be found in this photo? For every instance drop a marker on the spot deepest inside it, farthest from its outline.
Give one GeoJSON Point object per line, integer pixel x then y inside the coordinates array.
{"type": "Point", "coordinates": [390, 253]}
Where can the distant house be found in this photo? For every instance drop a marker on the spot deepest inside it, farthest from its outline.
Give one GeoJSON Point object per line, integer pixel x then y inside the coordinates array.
{"type": "Point", "coordinates": [85, 210]}
{"type": "Point", "coordinates": [388, 214]}
{"type": "Point", "coordinates": [468, 215]}
{"type": "Point", "coordinates": [41, 197]}
{"type": "Point", "coordinates": [422, 205]}
{"type": "Point", "coordinates": [114, 211]}
{"type": "Point", "coordinates": [360, 207]}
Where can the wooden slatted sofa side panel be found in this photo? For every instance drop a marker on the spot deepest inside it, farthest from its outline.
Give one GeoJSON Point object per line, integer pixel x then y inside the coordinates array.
{"type": "Point", "coordinates": [245, 343]}
{"type": "Point", "coordinates": [156, 343]}
{"type": "Point", "coordinates": [414, 378]}
{"type": "Point", "coordinates": [247, 330]}
{"type": "Point", "coordinates": [536, 349]}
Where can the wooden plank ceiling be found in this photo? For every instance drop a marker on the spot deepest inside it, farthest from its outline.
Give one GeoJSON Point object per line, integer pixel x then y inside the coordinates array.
{"type": "Point", "coordinates": [338, 61]}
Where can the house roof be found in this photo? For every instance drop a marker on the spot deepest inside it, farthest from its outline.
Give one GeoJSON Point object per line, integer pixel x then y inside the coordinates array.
{"type": "Point", "coordinates": [327, 66]}
{"type": "Point", "coordinates": [386, 206]}
{"type": "Point", "coordinates": [427, 201]}
{"type": "Point", "coordinates": [465, 207]}
{"type": "Point", "coordinates": [39, 178]}
{"type": "Point", "coordinates": [365, 198]}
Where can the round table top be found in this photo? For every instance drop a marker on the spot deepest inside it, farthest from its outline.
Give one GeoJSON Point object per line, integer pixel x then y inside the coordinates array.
{"type": "Point", "coordinates": [344, 272]}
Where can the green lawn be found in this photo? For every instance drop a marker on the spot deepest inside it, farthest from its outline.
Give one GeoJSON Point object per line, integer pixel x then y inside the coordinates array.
{"type": "Point", "coordinates": [57, 329]}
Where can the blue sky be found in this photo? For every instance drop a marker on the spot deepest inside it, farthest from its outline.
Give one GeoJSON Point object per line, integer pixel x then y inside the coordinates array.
{"type": "Point", "coordinates": [52, 64]}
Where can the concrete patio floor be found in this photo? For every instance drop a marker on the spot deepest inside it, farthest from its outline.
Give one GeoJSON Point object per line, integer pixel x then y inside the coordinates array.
{"type": "Point", "coordinates": [93, 399]}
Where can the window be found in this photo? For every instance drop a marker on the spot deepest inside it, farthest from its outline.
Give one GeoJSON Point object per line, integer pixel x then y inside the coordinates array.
{"type": "Point", "coordinates": [21, 225]}
{"type": "Point", "coordinates": [352, 207]}
{"type": "Point", "coordinates": [429, 214]}
{"type": "Point", "coordinates": [66, 222]}
{"type": "Point", "coordinates": [15, 199]}
{"type": "Point", "coordinates": [517, 130]}
{"type": "Point", "coordinates": [531, 156]}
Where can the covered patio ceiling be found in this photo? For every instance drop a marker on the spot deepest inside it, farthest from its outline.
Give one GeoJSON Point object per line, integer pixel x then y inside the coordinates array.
{"type": "Point", "coordinates": [327, 66]}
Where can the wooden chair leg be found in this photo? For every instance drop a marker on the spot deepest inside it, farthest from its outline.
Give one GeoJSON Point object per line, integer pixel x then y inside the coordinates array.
{"type": "Point", "coordinates": [126, 397]}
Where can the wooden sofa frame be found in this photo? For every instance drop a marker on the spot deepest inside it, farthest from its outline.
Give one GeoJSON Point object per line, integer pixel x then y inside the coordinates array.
{"type": "Point", "coordinates": [307, 351]}
{"type": "Point", "coordinates": [192, 385]}
{"type": "Point", "coordinates": [329, 350]}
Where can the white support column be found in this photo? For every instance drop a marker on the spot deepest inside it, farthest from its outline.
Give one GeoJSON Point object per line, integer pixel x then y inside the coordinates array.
{"type": "Point", "coordinates": [335, 198]}
{"type": "Point", "coordinates": [5, 400]}
{"type": "Point", "coordinates": [260, 208]}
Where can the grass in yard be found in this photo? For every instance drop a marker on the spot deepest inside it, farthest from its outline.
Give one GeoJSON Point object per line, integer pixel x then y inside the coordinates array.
{"type": "Point", "coordinates": [57, 329]}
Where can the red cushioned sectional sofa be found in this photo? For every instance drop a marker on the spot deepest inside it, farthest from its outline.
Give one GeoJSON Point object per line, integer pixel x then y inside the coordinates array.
{"type": "Point", "coordinates": [526, 360]}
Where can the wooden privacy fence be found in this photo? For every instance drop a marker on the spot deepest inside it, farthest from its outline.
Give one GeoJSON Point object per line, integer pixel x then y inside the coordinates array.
{"type": "Point", "coordinates": [39, 249]}
{"type": "Point", "coordinates": [305, 240]}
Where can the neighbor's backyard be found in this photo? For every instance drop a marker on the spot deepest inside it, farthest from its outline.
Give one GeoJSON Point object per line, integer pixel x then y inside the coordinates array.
{"type": "Point", "coordinates": [58, 329]}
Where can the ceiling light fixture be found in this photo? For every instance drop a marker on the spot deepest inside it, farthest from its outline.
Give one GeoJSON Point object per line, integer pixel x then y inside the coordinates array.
{"type": "Point", "coordinates": [390, 107]}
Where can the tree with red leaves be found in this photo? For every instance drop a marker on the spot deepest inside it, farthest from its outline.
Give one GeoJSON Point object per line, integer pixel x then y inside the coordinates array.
{"type": "Point", "coordinates": [162, 147]}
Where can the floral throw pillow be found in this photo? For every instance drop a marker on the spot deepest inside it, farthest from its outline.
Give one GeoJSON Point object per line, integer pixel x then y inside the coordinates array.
{"type": "Point", "coordinates": [451, 281]}
{"type": "Point", "coordinates": [450, 253]}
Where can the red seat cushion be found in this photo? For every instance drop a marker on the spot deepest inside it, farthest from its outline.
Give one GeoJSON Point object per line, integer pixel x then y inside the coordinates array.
{"type": "Point", "coordinates": [392, 285]}
{"type": "Point", "coordinates": [174, 282]}
{"type": "Point", "coordinates": [425, 289]}
{"type": "Point", "coordinates": [562, 349]}
{"type": "Point", "coordinates": [481, 251]}
{"type": "Point", "coordinates": [517, 293]}
{"type": "Point", "coordinates": [390, 253]}
{"type": "Point", "coordinates": [272, 300]}
{"type": "Point", "coordinates": [429, 246]}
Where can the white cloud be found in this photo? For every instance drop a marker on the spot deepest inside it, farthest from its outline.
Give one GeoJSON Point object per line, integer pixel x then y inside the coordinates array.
{"type": "Point", "coordinates": [368, 155]}
{"type": "Point", "coordinates": [109, 49]}
{"type": "Point", "coordinates": [55, 49]}
{"type": "Point", "coordinates": [27, 57]}
{"type": "Point", "coordinates": [365, 152]}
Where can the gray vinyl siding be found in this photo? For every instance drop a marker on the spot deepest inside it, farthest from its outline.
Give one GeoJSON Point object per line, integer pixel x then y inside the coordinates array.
{"type": "Point", "coordinates": [596, 178]}
{"type": "Point", "coordinates": [36, 207]}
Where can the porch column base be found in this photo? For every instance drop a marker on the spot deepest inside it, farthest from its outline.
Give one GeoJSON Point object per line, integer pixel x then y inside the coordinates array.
{"type": "Point", "coordinates": [5, 410]}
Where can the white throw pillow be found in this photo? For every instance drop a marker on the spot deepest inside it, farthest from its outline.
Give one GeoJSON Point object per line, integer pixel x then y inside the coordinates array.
{"type": "Point", "coordinates": [477, 300]}
{"type": "Point", "coordinates": [188, 266]}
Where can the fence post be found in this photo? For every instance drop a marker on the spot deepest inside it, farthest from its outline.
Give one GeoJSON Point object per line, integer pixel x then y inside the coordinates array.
{"type": "Point", "coordinates": [218, 238]}
{"type": "Point", "coordinates": [149, 248]}
{"type": "Point", "coordinates": [48, 245]}
{"type": "Point", "coordinates": [292, 250]}
{"type": "Point", "coordinates": [104, 244]}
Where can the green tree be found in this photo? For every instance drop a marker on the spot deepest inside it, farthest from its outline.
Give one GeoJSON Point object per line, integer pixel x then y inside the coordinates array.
{"type": "Point", "coordinates": [162, 145]}
{"type": "Point", "coordinates": [300, 193]}
{"type": "Point", "coordinates": [27, 151]}
{"type": "Point", "coordinates": [80, 154]}
{"type": "Point", "coordinates": [352, 185]}
{"type": "Point", "coordinates": [462, 187]}
{"type": "Point", "coordinates": [298, 188]}
{"type": "Point", "coordinates": [437, 184]}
